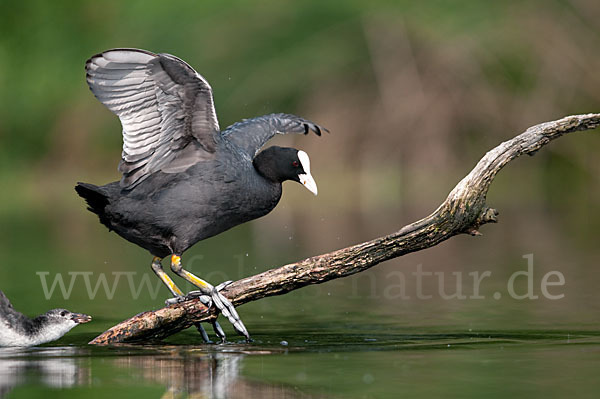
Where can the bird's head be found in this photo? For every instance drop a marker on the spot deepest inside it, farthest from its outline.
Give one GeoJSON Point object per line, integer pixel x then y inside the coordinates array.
{"type": "Point", "coordinates": [279, 164]}
{"type": "Point", "coordinates": [57, 322]}
{"type": "Point", "coordinates": [65, 317]}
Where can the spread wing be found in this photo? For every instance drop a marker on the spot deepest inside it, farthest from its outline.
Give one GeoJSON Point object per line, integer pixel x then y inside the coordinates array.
{"type": "Point", "coordinates": [166, 109]}
{"type": "Point", "coordinates": [251, 134]}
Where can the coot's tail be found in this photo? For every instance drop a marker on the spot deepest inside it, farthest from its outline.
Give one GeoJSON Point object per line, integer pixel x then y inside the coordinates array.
{"type": "Point", "coordinates": [96, 199]}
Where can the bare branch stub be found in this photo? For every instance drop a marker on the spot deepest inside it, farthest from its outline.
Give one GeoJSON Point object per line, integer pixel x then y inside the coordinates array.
{"type": "Point", "coordinates": [463, 211]}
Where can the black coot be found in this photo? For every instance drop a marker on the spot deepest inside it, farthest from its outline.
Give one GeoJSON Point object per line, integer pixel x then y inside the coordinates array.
{"type": "Point", "coordinates": [183, 179]}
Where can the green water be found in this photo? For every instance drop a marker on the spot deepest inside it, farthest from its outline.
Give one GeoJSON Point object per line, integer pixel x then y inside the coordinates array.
{"type": "Point", "coordinates": [348, 361]}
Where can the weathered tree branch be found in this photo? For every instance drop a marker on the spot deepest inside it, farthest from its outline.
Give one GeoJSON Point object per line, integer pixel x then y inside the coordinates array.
{"type": "Point", "coordinates": [463, 211]}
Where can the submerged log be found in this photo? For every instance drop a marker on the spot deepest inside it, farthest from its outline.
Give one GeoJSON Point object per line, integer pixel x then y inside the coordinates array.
{"type": "Point", "coordinates": [463, 211]}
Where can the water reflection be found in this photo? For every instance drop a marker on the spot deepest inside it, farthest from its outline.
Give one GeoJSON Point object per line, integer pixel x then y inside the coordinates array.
{"type": "Point", "coordinates": [374, 361]}
{"type": "Point", "coordinates": [211, 375]}
{"type": "Point", "coordinates": [183, 371]}
{"type": "Point", "coordinates": [51, 367]}
{"type": "Point", "coordinates": [196, 373]}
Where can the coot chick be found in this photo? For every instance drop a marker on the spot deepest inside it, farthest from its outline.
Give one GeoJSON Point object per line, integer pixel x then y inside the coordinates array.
{"type": "Point", "coordinates": [183, 179]}
{"type": "Point", "coordinates": [16, 329]}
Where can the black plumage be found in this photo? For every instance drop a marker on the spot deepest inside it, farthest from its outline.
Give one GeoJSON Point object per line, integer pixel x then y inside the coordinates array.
{"type": "Point", "coordinates": [184, 180]}
{"type": "Point", "coordinates": [170, 212]}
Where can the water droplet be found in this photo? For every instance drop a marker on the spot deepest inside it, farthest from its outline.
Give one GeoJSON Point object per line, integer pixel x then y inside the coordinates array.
{"type": "Point", "coordinates": [368, 378]}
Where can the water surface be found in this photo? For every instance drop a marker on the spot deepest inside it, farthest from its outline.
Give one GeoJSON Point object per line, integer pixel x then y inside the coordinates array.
{"type": "Point", "coordinates": [304, 361]}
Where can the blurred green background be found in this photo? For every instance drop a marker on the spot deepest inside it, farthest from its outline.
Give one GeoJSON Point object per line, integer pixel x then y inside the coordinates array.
{"type": "Point", "coordinates": [414, 93]}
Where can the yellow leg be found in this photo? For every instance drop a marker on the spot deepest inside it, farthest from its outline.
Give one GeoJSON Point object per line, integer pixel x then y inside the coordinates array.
{"type": "Point", "coordinates": [158, 270]}
{"type": "Point", "coordinates": [218, 300]}
{"type": "Point", "coordinates": [192, 278]}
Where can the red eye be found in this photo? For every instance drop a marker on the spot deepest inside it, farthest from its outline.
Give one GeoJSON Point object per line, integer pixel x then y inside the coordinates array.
{"type": "Point", "coordinates": [295, 164]}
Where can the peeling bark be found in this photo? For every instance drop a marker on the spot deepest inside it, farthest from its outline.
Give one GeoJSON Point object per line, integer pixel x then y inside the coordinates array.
{"type": "Point", "coordinates": [463, 211]}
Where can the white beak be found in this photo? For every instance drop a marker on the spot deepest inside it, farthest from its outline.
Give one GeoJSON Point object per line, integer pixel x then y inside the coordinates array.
{"type": "Point", "coordinates": [306, 178]}
{"type": "Point", "coordinates": [308, 182]}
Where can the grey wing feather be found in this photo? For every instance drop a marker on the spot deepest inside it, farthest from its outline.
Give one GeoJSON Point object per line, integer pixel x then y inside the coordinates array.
{"type": "Point", "coordinates": [251, 134]}
{"type": "Point", "coordinates": [8, 314]}
{"type": "Point", "coordinates": [163, 105]}
{"type": "Point", "coordinates": [4, 302]}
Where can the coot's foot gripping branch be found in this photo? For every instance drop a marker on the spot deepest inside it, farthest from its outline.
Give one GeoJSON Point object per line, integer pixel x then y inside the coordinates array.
{"type": "Point", "coordinates": [208, 294]}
